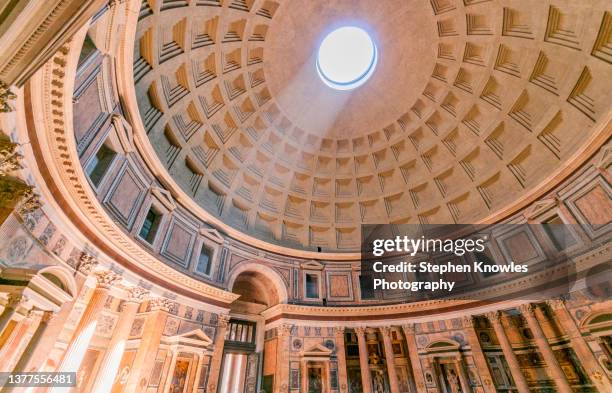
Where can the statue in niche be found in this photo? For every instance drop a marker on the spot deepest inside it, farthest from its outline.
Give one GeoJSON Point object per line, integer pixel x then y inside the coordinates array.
{"type": "Point", "coordinates": [378, 382]}
{"type": "Point", "coordinates": [453, 381]}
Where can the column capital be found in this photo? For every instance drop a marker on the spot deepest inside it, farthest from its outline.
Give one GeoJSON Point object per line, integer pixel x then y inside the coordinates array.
{"type": "Point", "coordinates": [409, 328]}
{"type": "Point", "coordinates": [284, 329]}
{"type": "Point", "coordinates": [223, 320]}
{"type": "Point", "coordinates": [494, 316]}
{"type": "Point", "coordinates": [14, 299]}
{"type": "Point", "coordinates": [339, 330]}
{"type": "Point", "coordinates": [86, 263]}
{"type": "Point", "coordinates": [557, 303]}
{"type": "Point", "coordinates": [30, 202]}
{"type": "Point", "coordinates": [527, 309]}
{"type": "Point", "coordinates": [136, 294]}
{"type": "Point", "coordinates": [468, 320]}
{"type": "Point", "coordinates": [47, 316]}
{"type": "Point", "coordinates": [6, 95]}
{"type": "Point", "coordinates": [106, 278]}
{"type": "Point", "coordinates": [360, 330]}
{"type": "Point", "coordinates": [386, 331]}
{"type": "Point", "coordinates": [160, 303]}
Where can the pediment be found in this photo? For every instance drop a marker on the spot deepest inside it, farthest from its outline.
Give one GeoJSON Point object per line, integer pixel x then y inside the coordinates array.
{"type": "Point", "coordinates": [124, 133]}
{"type": "Point", "coordinates": [318, 350]}
{"type": "Point", "coordinates": [540, 207]}
{"type": "Point", "coordinates": [194, 337]}
{"type": "Point", "coordinates": [312, 265]}
{"type": "Point", "coordinates": [164, 197]}
{"type": "Point", "coordinates": [212, 234]}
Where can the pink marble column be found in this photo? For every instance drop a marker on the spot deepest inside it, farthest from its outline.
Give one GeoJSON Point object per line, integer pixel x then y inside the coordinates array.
{"type": "Point", "coordinates": [13, 346]}
{"type": "Point", "coordinates": [415, 362]}
{"type": "Point", "coordinates": [144, 359]}
{"type": "Point", "coordinates": [519, 379]}
{"type": "Point", "coordinates": [479, 359]}
{"type": "Point", "coordinates": [364, 364]}
{"type": "Point", "coordinates": [528, 311]}
{"type": "Point", "coordinates": [390, 359]}
{"type": "Point", "coordinates": [463, 377]}
{"type": "Point", "coordinates": [341, 355]}
{"type": "Point", "coordinates": [87, 324]}
{"type": "Point", "coordinates": [217, 357]}
{"type": "Point", "coordinates": [592, 367]}
{"type": "Point", "coordinates": [281, 384]}
{"type": "Point", "coordinates": [112, 357]}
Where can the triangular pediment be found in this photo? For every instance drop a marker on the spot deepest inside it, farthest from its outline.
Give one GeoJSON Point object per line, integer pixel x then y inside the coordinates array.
{"type": "Point", "coordinates": [192, 337]}
{"type": "Point", "coordinates": [164, 197]}
{"type": "Point", "coordinates": [318, 350]}
{"type": "Point", "coordinates": [312, 265]}
{"type": "Point", "coordinates": [540, 207]}
{"type": "Point", "coordinates": [212, 234]}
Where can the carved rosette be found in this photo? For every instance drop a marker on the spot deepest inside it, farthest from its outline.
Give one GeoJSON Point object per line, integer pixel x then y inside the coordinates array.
{"type": "Point", "coordinates": [105, 279]}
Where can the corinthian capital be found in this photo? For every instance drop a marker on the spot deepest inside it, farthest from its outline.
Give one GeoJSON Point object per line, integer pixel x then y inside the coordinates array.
{"type": "Point", "coordinates": [29, 203]}
{"type": "Point", "coordinates": [223, 320]}
{"type": "Point", "coordinates": [360, 330]}
{"type": "Point", "coordinates": [6, 95]}
{"type": "Point", "coordinates": [468, 321]}
{"type": "Point", "coordinates": [86, 263]}
{"type": "Point", "coordinates": [527, 309]}
{"type": "Point", "coordinates": [339, 330]}
{"type": "Point", "coordinates": [494, 316]}
{"type": "Point", "coordinates": [409, 328]}
{"type": "Point", "coordinates": [284, 329]}
{"type": "Point", "coordinates": [557, 303]}
{"type": "Point", "coordinates": [136, 294]}
{"type": "Point", "coordinates": [106, 278]}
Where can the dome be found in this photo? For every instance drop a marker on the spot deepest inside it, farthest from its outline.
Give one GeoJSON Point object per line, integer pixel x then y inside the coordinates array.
{"type": "Point", "coordinates": [461, 121]}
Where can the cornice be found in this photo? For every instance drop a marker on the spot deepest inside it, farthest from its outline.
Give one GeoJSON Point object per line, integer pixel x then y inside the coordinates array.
{"type": "Point", "coordinates": [48, 103]}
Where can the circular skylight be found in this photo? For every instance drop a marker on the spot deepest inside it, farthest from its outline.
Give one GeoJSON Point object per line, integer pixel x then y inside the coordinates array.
{"type": "Point", "coordinates": [347, 58]}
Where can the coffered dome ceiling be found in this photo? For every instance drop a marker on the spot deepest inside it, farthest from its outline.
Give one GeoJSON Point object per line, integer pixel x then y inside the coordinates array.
{"type": "Point", "coordinates": [474, 105]}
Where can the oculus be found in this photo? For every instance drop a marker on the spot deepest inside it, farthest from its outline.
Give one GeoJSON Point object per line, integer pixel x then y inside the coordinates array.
{"type": "Point", "coordinates": [347, 58]}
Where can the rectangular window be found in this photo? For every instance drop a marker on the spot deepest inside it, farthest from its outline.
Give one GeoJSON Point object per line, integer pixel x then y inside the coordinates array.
{"type": "Point", "coordinates": [204, 261]}
{"type": "Point", "coordinates": [99, 164]}
{"type": "Point", "coordinates": [150, 226]}
{"type": "Point", "coordinates": [366, 285]}
{"type": "Point", "coordinates": [558, 233]}
{"type": "Point", "coordinates": [312, 286]}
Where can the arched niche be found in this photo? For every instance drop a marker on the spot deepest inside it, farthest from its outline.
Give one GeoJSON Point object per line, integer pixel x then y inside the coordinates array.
{"type": "Point", "coordinates": [259, 287]}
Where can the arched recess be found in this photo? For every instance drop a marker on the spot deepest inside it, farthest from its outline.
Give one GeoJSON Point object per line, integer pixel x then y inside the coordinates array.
{"type": "Point", "coordinates": [258, 284]}
{"type": "Point", "coordinates": [61, 278]}
{"type": "Point", "coordinates": [597, 319]}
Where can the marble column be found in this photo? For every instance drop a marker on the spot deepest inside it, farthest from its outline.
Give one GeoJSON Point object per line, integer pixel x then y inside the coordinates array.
{"type": "Point", "coordinates": [32, 346]}
{"type": "Point", "coordinates": [13, 346]}
{"type": "Point", "coordinates": [341, 355]}
{"type": "Point", "coordinates": [171, 367]}
{"type": "Point", "coordinates": [390, 359]}
{"type": "Point", "coordinates": [513, 364]}
{"type": "Point", "coordinates": [528, 311]}
{"type": "Point", "coordinates": [152, 332]}
{"type": "Point", "coordinates": [479, 358]}
{"type": "Point", "coordinates": [463, 377]}
{"type": "Point", "coordinates": [13, 302]}
{"type": "Point", "coordinates": [217, 357]}
{"type": "Point", "coordinates": [281, 383]}
{"type": "Point", "coordinates": [364, 364]}
{"type": "Point", "coordinates": [590, 364]}
{"type": "Point", "coordinates": [196, 380]}
{"type": "Point", "coordinates": [86, 327]}
{"type": "Point", "coordinates": [112, 357]}
{"type": "Point", "coordinates": [415, 362]}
